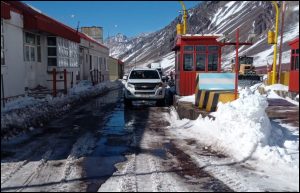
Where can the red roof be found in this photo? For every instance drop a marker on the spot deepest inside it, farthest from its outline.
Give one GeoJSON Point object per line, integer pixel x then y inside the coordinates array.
{"type": "Point", "coordinates": [34, 20]}
{"type": "Point", "coordinates": [5, 10]}
{"type": "Point", "coordinates": [294, 43]}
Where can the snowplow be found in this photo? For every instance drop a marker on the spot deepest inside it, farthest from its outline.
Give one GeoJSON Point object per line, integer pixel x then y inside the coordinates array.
{"type": "Point", "coordinates": [246, 69]}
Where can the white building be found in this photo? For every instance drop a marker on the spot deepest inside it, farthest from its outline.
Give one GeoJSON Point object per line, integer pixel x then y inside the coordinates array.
{"type": "Point", "coordinates": [93, 57]}
{"type": "Point", "coordinates": [33, 44]}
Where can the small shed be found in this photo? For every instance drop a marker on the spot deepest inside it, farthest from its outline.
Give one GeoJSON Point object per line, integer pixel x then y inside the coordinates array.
{"type": "Point", "coordinates": [193, 54]}
{"type": "Point", "coordinates": [294, 67]}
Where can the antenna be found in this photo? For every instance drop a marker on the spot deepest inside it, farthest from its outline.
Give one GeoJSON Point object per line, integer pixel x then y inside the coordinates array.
{"type": "Point", "coordinates": [78, 26]}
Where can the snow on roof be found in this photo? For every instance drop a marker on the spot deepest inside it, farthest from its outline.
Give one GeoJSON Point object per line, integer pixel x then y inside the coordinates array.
{"type": "Point", "coordinates": [206, 35]}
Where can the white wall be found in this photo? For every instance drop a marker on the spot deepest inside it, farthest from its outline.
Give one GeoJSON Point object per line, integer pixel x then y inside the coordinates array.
{"type": "Point", "coordinates": [94, 50]}
{"type": "Point", "coordinates": [13, 71]}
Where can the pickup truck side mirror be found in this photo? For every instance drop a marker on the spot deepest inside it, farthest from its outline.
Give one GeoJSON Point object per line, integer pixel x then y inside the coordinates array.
{"type": "Point", "coordinates": [124, 77]}
{"type": "Point", "coordinates": [163, 78]}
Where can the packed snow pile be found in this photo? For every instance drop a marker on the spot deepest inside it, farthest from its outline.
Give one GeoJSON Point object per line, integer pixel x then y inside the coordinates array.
{"type": "Point", "coordinates": [28, 112]}
{"type": "Point", "coordinates": [277, 87]}
{"type": "Point", "coordinates": [190, 99]}
{"type": "Point", "coordinates": [241, 129]}
{"type": "Point", "coordinates": [20, 102]}
{"type": "Point", "coordinates": [276, 91]}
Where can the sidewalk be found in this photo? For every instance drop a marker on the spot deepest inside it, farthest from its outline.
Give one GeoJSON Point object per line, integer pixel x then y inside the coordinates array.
{"type": "Point", "coordinates": [283, 110]}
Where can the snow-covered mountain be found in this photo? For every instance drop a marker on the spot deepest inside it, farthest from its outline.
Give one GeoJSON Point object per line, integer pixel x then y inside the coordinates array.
{"type": "Point", "coordinates": [222, 17]}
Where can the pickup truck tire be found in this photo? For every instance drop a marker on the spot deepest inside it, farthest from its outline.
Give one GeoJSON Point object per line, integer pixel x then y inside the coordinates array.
{"type": "Point", "coordinates": [161, 102]}
{"type": "Point", "coordinates": [127, 102]}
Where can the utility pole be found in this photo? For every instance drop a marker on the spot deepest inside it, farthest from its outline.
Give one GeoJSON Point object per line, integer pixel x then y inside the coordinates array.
{"type": "Point", "coordinates": [236, 63]}
{"type": "Point", "coordinates": [275, 43]}
{"type": "Point", "coordinates": [281, 39]}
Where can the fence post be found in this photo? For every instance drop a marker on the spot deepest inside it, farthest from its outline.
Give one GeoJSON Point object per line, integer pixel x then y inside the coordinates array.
{"type": "Point", "coordinates": [97, 72]}
{"type": "Point", "coordinates": [54, 81]}
{"type": "Point", "coordinates": [91, 72]}
{"type": "Point", "coordinates": [65, 80]}
{"type": "Point", "coordinates": [2, 96]}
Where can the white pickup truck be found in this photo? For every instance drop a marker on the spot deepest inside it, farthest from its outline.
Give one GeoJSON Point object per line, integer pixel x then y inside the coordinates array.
{"type": "Point", "coordinates": [144, 84]}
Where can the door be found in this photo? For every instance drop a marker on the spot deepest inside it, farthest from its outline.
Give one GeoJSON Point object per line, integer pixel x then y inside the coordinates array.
{"type": "Point", "coordinates": [30, 58]}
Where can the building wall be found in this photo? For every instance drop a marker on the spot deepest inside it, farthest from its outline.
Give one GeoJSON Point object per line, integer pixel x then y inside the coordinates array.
{"type": "Point", "coordinates": [13, 70]}
{"type": "Point", "coordinates": [20, 75]}
{"type": "Point", "coordinates": [39, 73]}
{"type": "Point", "coordinates": [94, 32]}
{"type": "Point", "coordinates": [113, 68]}
{"type": "Point", "coordinates": [93, 58]}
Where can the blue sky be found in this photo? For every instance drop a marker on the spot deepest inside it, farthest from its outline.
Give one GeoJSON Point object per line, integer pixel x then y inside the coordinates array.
{"type": "Point", "coordinates": [128, 17]}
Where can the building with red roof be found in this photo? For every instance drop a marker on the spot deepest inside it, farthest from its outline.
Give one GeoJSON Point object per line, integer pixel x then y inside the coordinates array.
{"type": "Point", "coordinates": [33, 44]}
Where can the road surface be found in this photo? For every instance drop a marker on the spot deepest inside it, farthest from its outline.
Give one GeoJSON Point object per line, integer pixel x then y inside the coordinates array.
{"type": "Point", "coordinates": [102, 146]}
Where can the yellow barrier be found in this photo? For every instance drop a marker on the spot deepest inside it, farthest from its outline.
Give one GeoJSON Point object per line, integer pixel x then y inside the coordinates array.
{"type": "Point", "coordinates": [208, 100]}
{"type": "Point", "coordinates": [284, 78]}
{"type": "Point", "coordinates": [201, 98]}
{"type": "Point", "coordinates": [218, 96]}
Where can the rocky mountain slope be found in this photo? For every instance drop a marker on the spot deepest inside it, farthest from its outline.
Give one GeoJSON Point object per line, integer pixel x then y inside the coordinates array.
{"type": "Point", "coordinates": [219, 17]}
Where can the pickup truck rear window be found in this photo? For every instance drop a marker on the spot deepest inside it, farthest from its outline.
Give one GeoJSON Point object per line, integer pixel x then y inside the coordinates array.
{"type": "Point", "coordinates": [144, 74]}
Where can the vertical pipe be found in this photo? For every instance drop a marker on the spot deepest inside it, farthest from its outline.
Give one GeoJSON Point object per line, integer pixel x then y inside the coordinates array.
{"type": "Point", "coordinates": [275, 45]}
{"type": "Point", "coordinates": [2, 85]}
{"type": "Point", "coordinates": [281, 39]}
{"type": "Point", "coordinates": [184, 17]}
{"type": "Point", "coordinates": [97, 76]}
{"type": "Point", "coordinates": [236, 62]}
{"type": "Point", "coordinates": [65, 80]}
{"type": "Point", "coordinates": [72, 77]}
{"type": "Point", "coordinates": [54, 81]}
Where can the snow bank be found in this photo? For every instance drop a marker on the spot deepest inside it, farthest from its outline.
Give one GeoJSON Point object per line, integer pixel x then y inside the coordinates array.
{"type": "Point", "coordinates": [277, 87]}
{"type": "Point", "coordinates": [190, 98]}
{"type": "Point", "coordinates": [20, 102]}
{"type": "Point", "coordinates": [29, 112]}
{"type": "Point", "coordinates": [241, 129]}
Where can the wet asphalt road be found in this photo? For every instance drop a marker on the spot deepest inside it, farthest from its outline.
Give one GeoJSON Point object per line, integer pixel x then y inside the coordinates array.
{"type": "Point", "coordinates": [80, 151]}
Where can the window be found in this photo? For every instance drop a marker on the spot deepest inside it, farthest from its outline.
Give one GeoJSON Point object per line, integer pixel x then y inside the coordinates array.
{"type": "Point", "coordinates": [52, 55]}
{"type": "Point", "coordinates": [62, 52]}
{"type": "Point", "coordinates": [188, 62]}
{"type": "Point", "coordinates": [81, 56]}
{"type": "Point", "coordinates": [99, 62]}
{"type": "Point", "coordinates": [105, 63]}
{"type": "Point", "coordinates": [213, 58]}
{"type": "Point", "coordinates": [2, 44]}
{"type": "Point", "coordinates": [295, 59]}
{"type": "Point", "coordinates": [95, 59]}
{"type": "Point", "coordinates": [39, 54]}
{"type": "Point", "coordinates": [297, 63]}
{"type": "Point", "coordinates": [200, 58]}
{"type": "Point", "coordinates": [188, 58]}
{"type": "Point", "coordinates": [200, 62]}
{"type": "Point", "coordinates": [213, 62]}
{"type": "Point", "coordinates": [144, 74]}
{"type": "Point", "coordinates": [188, 48]}
{"type": "Point", "coordinates": [29, 38]}
{"type": "Point", "coordinates": [200, 48]}
{"type": "Point", "coordinates": [30, 47]}
{"type": "Point", "coordinates": [213, 48]}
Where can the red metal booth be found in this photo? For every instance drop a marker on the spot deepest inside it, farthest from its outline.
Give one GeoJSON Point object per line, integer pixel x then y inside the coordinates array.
{"type": "Point", "coordinates": [294, 68]}
{"type": "Point", "coordinates": [194, 54]}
